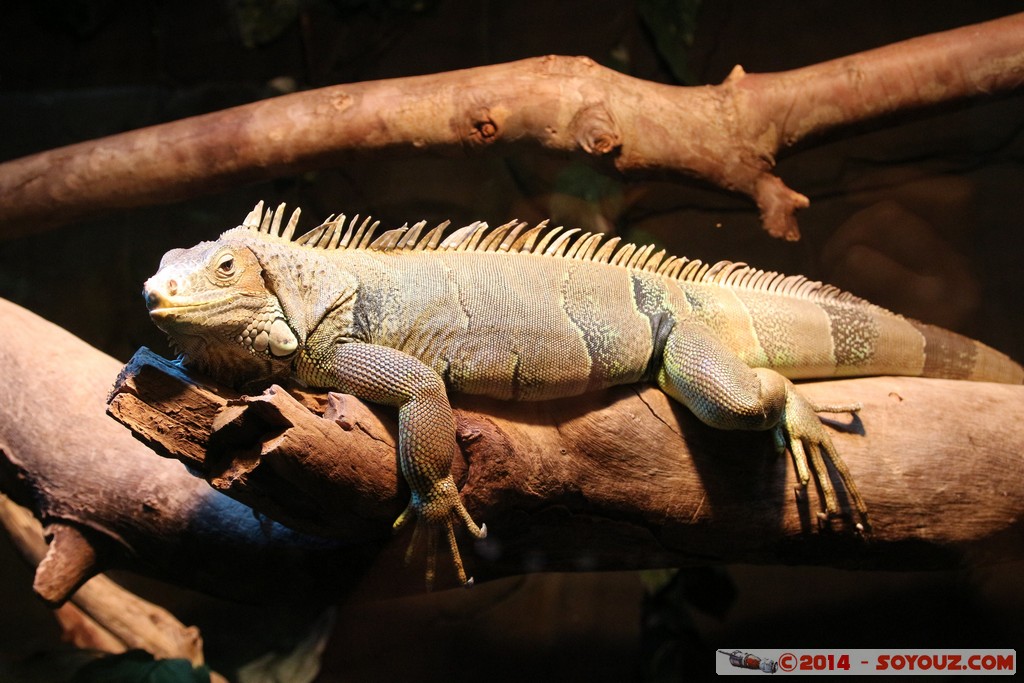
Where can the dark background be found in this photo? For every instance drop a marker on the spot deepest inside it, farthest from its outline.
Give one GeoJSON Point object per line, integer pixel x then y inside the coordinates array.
{"type": "Point", "coordinates": [920, 213]}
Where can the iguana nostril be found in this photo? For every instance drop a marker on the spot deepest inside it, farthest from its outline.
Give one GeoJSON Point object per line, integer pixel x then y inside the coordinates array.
{"type": "Point", "coordinates": [172, 287]}
{"type": "Point", "coordinates": [153, 296]}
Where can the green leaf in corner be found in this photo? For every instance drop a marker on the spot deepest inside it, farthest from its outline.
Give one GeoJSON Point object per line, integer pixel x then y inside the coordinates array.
{"type": "Point", "coordinates": [672, 24]}
{"type": "Point", "coordinates": [136, 666]}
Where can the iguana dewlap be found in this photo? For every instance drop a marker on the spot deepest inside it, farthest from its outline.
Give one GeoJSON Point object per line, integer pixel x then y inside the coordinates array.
{"type": "Point", "coordinates": [529, 315]}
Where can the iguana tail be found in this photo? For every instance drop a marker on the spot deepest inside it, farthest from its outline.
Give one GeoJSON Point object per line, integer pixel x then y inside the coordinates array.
{"type": "Point", "coordinates": [816, 336]}
{"type": "Point", "coordinates": [954, 356]}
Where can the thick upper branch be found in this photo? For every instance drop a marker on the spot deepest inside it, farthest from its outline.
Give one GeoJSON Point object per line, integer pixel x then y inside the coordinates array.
{"type": "Point", "coordinates": [728, 134]}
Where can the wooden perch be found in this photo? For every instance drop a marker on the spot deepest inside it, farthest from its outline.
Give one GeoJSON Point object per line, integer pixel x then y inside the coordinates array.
{"type": "Point", "coordinates": [619, 479]}
{"type": "Point", "coordinates": [107, 501]}
{"type": "Point", "coordinates": [728, 134]}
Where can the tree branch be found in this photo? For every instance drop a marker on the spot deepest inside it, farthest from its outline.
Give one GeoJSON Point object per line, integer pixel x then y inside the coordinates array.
{"type": "Point", "coordinates": [107, 501]}
{"type": "Point", "coordinates": [619, 479]}
{"type": "Point", "coordinates": [728, 135]}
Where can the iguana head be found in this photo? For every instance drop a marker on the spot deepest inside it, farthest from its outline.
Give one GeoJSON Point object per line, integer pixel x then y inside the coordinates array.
{"type": "Point", "coordinates": [213, 303]}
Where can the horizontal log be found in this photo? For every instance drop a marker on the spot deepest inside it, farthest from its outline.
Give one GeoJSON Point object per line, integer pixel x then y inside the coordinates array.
{"type": "Point", "coordinates": [619, 479]}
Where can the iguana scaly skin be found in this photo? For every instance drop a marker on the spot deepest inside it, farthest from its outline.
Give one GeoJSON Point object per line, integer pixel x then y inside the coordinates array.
{"type": "Point", "coordinates": [530, 315]}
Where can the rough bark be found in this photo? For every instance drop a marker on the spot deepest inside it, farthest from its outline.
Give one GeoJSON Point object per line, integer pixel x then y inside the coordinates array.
{"type": "Point", "coordinates": [620, 479]}
{"type": "Point", "coordinates": [728, 134]}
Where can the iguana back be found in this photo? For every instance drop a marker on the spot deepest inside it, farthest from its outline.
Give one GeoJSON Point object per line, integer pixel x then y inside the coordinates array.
{"type": "Point", "coordinates": [540, 314]}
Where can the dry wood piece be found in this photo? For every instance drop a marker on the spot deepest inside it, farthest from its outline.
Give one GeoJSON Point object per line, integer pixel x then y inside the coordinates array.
{"type": "Point", "coordinates": [102, 614]}
{"type": "Point", "coordinates": [619, 479]}
{"type": "Point", "coordinates": [728, 134]}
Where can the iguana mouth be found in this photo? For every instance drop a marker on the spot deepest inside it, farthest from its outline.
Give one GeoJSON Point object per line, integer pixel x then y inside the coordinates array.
{"type": "Point", "coordinates": [167, 310]}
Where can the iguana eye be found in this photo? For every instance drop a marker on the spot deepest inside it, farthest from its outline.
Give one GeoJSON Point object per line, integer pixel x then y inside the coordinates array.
{"type": "Point", "coordinates": [226, 266]}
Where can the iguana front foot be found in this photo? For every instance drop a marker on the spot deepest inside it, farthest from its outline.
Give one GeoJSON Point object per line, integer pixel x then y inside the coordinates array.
{"type": "Point", "coordinates": [435, 512]}
{"type": "Point", "coordinates": [801, 432]}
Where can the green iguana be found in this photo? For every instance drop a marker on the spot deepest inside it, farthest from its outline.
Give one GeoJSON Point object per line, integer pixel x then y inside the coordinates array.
{"type": "Point", "coordinates": [527, 315]}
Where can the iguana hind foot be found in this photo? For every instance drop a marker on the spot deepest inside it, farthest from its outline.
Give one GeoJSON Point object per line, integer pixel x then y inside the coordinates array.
{"type": "Point", "coordinates": [438, 511]}
{"type": "Point", "coordinates": [801, 432]}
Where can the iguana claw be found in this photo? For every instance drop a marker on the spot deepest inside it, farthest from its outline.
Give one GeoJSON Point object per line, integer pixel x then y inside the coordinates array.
{"type": "Point", "coordinates": [801, 431]}
{"type": "Point", "coordinates": [438, 511]}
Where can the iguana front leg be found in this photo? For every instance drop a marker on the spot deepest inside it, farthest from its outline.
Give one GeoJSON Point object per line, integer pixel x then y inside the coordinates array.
{"type": "Point", "coordinates": [701, 373]}
{"type": "Point", "coordinates": [426, 432]}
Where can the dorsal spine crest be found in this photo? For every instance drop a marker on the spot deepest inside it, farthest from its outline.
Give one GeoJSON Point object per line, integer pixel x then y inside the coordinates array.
{"type": "Point", "coordinates": [337, 232]}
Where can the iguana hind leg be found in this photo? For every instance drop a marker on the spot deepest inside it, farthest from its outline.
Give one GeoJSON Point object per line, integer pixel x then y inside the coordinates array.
{"type": "Point", "coordinates": [426, 433]}
{"type": "Point", "coordinates": [807, 439]}
{"type": "Point", "coordinates": [437, 511]}
{"type": "Point", "coordinates": [701, 373]}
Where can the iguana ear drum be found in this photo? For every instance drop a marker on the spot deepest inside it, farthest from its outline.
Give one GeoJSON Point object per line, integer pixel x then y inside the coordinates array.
{"type": "Point", "coordinates": [270, 332]}
{"type": "Point", "coordinates": [282, 339]}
